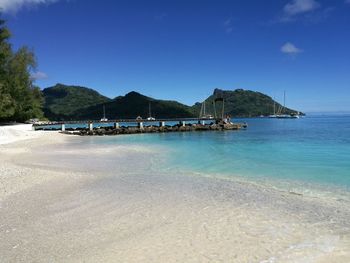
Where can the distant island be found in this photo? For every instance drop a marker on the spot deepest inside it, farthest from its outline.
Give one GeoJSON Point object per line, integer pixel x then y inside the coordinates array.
{"type": "Point", "coordinates": [64, 102]}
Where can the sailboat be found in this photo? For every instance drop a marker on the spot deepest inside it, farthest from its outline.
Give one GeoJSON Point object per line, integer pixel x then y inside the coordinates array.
{"type": "Point", "coordinates": [104, 114]}
{"type": "Point", "coordinates": [203, 114]}
{"type": "Point", "coordinates": [280, 114]}
{"type": "Point", "coordinates": [150, 118]}
{"type": "Point", "coordinates": [274, 110]}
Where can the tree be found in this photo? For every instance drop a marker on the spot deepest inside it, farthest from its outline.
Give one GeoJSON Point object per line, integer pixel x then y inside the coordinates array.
{"type": "Point", "coordinates": [6, 100]}
{"type": "Point", "coordinates": [20, 100]}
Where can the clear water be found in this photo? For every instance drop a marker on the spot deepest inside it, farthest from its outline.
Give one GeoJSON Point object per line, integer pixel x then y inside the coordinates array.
{"type": "Point", "coordinates": [312, 150]}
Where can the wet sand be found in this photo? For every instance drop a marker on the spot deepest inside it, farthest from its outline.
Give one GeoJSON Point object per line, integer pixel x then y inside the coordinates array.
{"type": "Point", "coordinates": [61, 201]}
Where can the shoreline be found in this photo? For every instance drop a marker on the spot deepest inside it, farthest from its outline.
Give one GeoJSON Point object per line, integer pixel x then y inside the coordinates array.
{"type": "Point", "coordinates": [92, 215]}
{"type": "Point", "coordinates": [17, 132]}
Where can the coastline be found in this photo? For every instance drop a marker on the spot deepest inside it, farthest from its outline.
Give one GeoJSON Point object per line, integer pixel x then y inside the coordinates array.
{"type": "Point", "coordinates": [17, 132]}
{"type": "Point", "coordinates": [131, 213]}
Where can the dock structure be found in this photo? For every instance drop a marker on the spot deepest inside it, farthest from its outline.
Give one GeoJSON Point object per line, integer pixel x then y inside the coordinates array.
{"type": "Point", "coordinates": [130, 126]}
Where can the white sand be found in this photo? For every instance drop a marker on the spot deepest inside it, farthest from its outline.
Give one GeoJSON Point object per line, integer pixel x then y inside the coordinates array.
{"type": "Point", "coordinates": [14, 133]}
{"type": "Point", "coordinates": [55, 206]}
{"type": "Point", "coordinates": [16, 141]}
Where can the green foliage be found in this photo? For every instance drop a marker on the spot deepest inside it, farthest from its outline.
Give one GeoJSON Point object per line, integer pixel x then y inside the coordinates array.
{"type": "Point", "coordinates": [134, 104]}
{"type": "Point", "coordinates": [19, 99]}
{"type": "Point", "coordinates": [64, 102]}
{"type": "Point", "coordinates": [77, 103]}
{"type": "Point", "coordinates": [242, 103]}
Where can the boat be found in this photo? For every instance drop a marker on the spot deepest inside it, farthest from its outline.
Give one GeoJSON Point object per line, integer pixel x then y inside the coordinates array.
{"type": "Point", "coordinates": [284, 116]}
{"type": "Point", "coordinates": [150, 118]}
{"type": "Point", "coordinates": [295, 115]}
{"type": "Point", "coordinates": [274, 110]}
{"type": "Point", "coordinates": [104, 114]}
{"type": "Point", "coordinates": [280, 114]}
{"type": "Point", "coordinates": [203, 114]}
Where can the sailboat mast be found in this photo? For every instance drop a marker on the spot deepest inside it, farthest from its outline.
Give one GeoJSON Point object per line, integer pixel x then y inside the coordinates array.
{"type": "Point", "coordinates": [204, 109]}
{"type": "Point", "coordinates": [214, 109]}
{"type": "Point", "coordinates": [223, 109]}
{"type": "Point", "coordinates": [200, 113]}
{"type": "Point", "coordinates": [104, 112]}
{"type": "Point", "coordinates": [149, 109]}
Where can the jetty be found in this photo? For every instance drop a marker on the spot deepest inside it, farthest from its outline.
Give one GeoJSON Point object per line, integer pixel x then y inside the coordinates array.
{"type": "Point", "coordinates": [132, 126]}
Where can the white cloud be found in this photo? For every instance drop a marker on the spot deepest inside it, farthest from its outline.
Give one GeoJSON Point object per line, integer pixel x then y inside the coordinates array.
{"type": "Point", "coordinates": [291, 49]}
{"type": "Point", "coordinates": [296, 7]}
{"type": "Point", "coordinates": [12, 6]}
{"type": "Point", "coordinates": [38, 75]}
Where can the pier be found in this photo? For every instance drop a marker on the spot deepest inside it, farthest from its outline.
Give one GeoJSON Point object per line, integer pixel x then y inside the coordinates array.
{"type": "Point", "coordinates": [132, 126]}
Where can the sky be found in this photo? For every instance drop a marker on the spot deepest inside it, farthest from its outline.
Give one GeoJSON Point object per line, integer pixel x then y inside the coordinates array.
{"type": "Point", "coordinates": [183, 50]}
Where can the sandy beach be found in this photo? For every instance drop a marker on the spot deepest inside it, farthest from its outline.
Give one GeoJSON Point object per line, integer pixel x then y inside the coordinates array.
{"type": "Point", "coordinates": [17, 132]}
{"type": "Point", "coordinates": [64, 201]}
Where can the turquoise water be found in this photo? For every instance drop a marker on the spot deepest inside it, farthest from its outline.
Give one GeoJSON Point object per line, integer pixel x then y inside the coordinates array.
{"type": "Point", "coordinates": [310, 150]}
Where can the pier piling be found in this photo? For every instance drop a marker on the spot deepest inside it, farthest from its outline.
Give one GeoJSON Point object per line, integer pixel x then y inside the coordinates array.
{"type": "Point", "coordinates": [114, 126]}
{"type": "Point", "coordinates": [140, 125]}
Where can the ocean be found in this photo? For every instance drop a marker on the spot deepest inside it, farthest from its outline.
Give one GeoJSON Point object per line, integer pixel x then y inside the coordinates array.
{"type": "Point", "coordinates": [312, 151]}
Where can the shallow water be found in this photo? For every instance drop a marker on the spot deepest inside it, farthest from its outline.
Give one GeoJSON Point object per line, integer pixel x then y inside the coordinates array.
{"type": "Point", "coordinates": [310, 150]}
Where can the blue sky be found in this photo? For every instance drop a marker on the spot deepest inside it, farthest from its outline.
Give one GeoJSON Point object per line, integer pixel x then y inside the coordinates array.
{"type": "Point", "coordinates": [184, 49]}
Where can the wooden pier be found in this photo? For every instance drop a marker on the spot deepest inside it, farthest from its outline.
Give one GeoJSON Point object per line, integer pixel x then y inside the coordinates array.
{"type": "Point", "coordinates": [122, 126]}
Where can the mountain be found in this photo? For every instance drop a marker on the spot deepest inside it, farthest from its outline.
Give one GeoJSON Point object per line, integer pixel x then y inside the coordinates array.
{"type": "Point", "coordinates": [241, 103]}
{"type": "Point", "coordinates": [62, 102]}
{"type": "Point", "coordinates": [135, 104]}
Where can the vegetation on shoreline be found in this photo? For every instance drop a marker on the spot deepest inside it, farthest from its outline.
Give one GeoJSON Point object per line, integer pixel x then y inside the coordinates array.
{"type": "Point", "coordinates": [20, 100]}
{"type": "Point", "coordinates": [64, 102]}
{"type": "Point", "coordinates": [135, 104]}
{"type": "Point", "coordinates": [243, 103]}
{"type": "Point", "coordinates": [76, 103]}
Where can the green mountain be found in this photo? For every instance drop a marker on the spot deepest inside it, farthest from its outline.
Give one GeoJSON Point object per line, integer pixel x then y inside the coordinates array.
{"type": "Point", "coordinates": [135, 104]}
{"type": "Point", "coordinates": [241, 103]}
{"type": "Point", "coordinates": [62, 102]}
